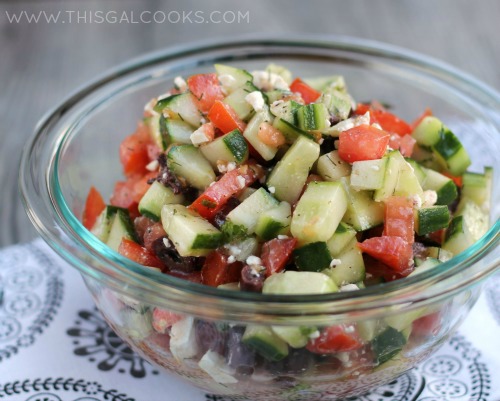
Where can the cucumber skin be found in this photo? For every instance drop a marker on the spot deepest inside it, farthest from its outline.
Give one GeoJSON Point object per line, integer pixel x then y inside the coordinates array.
{"type": "Point", "coordinates": [432, 219]}
{"type": "Point", "coordinates": [235, 141]}
{"type": "Point", "coordinates": [387, 344]}
{"type": "Point", "coordinates": [313, 257]}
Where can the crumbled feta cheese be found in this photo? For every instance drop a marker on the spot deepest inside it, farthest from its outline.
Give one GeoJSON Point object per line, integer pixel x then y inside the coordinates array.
{"type": "Point", "coordinates": [343, 356]}
{"type": "Point", "coordinates": [327, 122]}
{"type": "Point", "coordinates": [429, 198]}
{"type": "Point", "coordinates": [226, 80]}
{"type": "Point", "coordinates": [321, 140]}
{"type": "Point", "coordinates": [183, 344]}
{"type": "Point", "coordinates": [376, 125]}
{"type": "Point", "coordinates": [203, 120]}
{"type": "Point", "coordinates": [314, 334]}
{"type": "Point", "coordinates": [272, 189]}
{"type": "Point", "coordinates": [180, 84]}
{"type": "Point", "coordinates": [349, 287]}
{"type": "Point", "coordinates": [166, 242]}
{"type": "Point", "coordinates": [281, 236]}
{"type": "Point", "coordinates": [233, 250]}
{"type": "Point", "coordinates": [231, 259]}
{"type": "Point", "coordinates": [254, 261]}
{"type": "Point", "coordinates": [352, 122]}
{"type": "Point", "coordinates": [241, 181]}
{"type": "Point", "coordinates": [335, 262]}
{"type": "Point", "coordinates": [231, 166]}
{"type": "Point", "coordinates": [199, 137]}
{"type": "Point", "coordinates": [417, 201]}
{"type": "Point", "coordinates": [349, 329]}
{"type": "Point", "coordinates": [267, 81]}
{"type": "Point", "coordinates": [376, 168]}
{"type": "Point", "coordinates": [256, 100]}
{"type": "Point", "coordinates": [222, 167]}
{"type": "Point", "coordinates": [153, 165]}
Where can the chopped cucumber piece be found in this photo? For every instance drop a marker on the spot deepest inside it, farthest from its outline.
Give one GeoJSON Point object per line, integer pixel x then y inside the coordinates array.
{"type": "Point", "coordinates": [399, 178]}
{"type": "Point", "coordinates": [290, 173]}
{"type": "Point", "coordinates": [476, 187]}
{"type": "Point", "coordinates": [404, 320]}
{"type": "Point", "coordinates": [290, 131]}
{"type": "Point", "coordinates": [338, 102]}
{"type": "Point", "coordinates": [348, 267]}
{"type": "Point", "coordinates": [191, 234]}
{"type": "Point", "coordinates": [418, 170]}
{"type": "Point", "coordinates": [387, 344]}
{"type": "Point", "coordinates": [362, 211]}
{"type": "Point", "coordinates": [230, 147]}
{"type": "Point", "coordinates": [251, 134]}
{"type": "Point", "coordinates": [243, 219]}
{"type": "Point", "coordinates": [237, 100]}
{"type": "Point", "coordinates": [153, 200]}
{"type": "Point", "coordinates": [458, 236]}
{"type": "Point", "coordinates": [175, 132]}
{"type": "Point", "coordinates": [103, 223]}
{"type": "Point", "coordinates": [295, 283]}
{"type": "Point", "coordinates": [187, 162]}
{"type": "Point", "coordinates": [318, 212]}
{"type": "Point", "coordinates": [274, 222]}
{"type": "Point", "coordinates": [321, 83]}
{"type": "Point", "coordinates": [181, 107]}
{"type": "Point", "coordinates": [342, 236]}
{"type": "Point", "coordinates": [232, 78]}
{"type": "Point", "coordinates": [294, 336]}
{"type": "Point", "coordinates": [446, 147]}
{"type": "Point", "coordinates": [331, 167]}
{"type": "Point", "coordinates": [475, 217]}
{"type": "Point", "coordinates": [423, 266]}
{"type": "Point", "coordinates": [153, 124]}
{"type": "Point", "coordinates": [286, 110]}
{"type": "Point", "coordinates": [439, 253]}
{"type": "Point", "coordinates": [313, 257]}
{"type": "Point", "coordinates": [313, 117]}
{"type": "Point", "coordinates": [368, 174]}
{"type": "Point", "coordinates": [265, 342]}
{"type": "Point", "coordinates": [121, 227]}
{"type": "Point", "coordinates": [369, 329]}
{"type": "Point", "coordinates": [445, 188]}
{"type": "Point", "coordinates": [430, 219]}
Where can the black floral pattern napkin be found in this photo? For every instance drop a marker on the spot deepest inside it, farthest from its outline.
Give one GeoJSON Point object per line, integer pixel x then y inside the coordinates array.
{"type": "Point", "coordinates": [55, 346]}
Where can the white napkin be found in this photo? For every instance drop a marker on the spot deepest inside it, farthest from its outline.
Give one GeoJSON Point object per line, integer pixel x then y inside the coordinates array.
{"type": "Point", "coordinates": [54, 346]}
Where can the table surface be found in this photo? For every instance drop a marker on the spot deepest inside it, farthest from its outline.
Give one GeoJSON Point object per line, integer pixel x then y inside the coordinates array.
{"type": "Point", "coordinates": [42, 62]}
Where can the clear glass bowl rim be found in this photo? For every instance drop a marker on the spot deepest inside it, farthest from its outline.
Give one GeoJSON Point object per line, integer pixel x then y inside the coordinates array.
{"type": "Point", "coordinates": [76, 245]}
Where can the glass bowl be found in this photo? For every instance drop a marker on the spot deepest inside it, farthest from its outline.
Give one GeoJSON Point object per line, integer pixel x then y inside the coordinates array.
{"type": "Point", "coordinates": [195, 332]}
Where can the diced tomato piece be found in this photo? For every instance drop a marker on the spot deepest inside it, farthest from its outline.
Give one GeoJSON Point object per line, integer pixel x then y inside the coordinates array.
{"type": "Point", "coordinates": [134, 152]}
{"type": "Point", "coordinates": [456, 179]}
{"type": "Point", "coordinates": [151, 234]}
{"type": "Point", "coordinates": [338, 338]}
{"type": "Point", "coordinates": [404, 143]}
{"type": "Point", "coordinates": [138, 254]}
{"type": "Point", "coordinates": [217, 270]}
{"type": "Point", "coordinates": [388, 121]}
{"type": "Point", "coordinates": [309, 94]}
{"type": "Point", "coordinates": [163, 319]}
{"type": "Point", "coordinates": [393, 251]}
{"type": "Point", "coordinates": [276, 253]}
{"type": "Point", "coordinates": [426, 113]}
{"type": "Point", "coordinates": [270, 135]}
{"type": "Point", "coordinates": [123, 194]}
{"type": "Point", "coordinates": [216, 195]}
{"type": "Point", "coordinates": [399, 220]}
{"type": "Point", "coordinates": [153, 151]}
{"type": "Point", "coordinates": [94, 205]}
{"type": "Point", "coordinates": [206, 88]}
{"type": "Point", "coordinates": [437, 236]}
{"type": "Point", "coordinates": [427, 325]}
{"type": "Point", "coordinates": [375, 270]}
{"type": "Point", "coordinates": [225, 118]}
{"type": "Point", "coordinates": [363, 142]}
{"type": "Point", "coordinates": [141, 186]}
